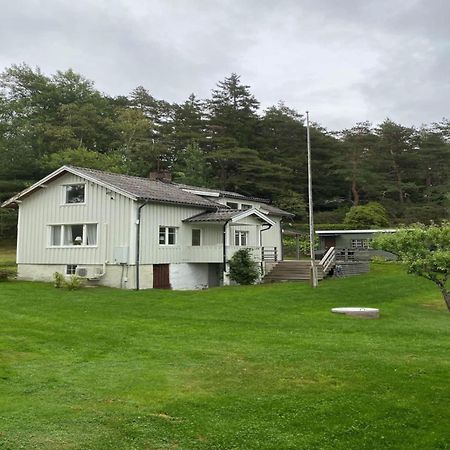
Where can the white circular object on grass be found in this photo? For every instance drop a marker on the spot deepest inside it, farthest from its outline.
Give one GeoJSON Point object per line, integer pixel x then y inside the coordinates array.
{"type": "Point", "coordinates": [370, 313]}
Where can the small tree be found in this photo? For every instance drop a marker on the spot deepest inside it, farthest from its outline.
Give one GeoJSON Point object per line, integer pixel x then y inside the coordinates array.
{"type": "Point", "coordinates": [363, 216]}
{"type": "Point", "coordinates": [243, 270]}
{"type": "Point", "coordinates": [425, 251]}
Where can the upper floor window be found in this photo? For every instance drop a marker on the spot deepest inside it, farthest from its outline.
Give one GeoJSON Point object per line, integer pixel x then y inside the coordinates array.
{"type": "Point", "coordinates": [196, 237]}
{"type": "Point", "coordinates": [240, 238]}
{"type": "Point", "coordinates": [76, 235]}
{"type": "Point", "coordinates": [167, 235]}
{"type": "Point", "coordinates": [75, 193]}
{"type": "Point", "coordinates": [233, 205]}
{"type": "Point", "coordinates": [245, 206]}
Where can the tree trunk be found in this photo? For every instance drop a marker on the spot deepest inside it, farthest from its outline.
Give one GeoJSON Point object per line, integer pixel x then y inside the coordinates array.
{"type": "Point", "coordinates": [355, 193]}
{"type": "Point", "coordinates": [446, 295]}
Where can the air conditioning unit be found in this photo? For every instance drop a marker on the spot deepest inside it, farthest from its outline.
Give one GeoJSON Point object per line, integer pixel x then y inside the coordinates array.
{"type": "Point", "coordinates": [81, 272]}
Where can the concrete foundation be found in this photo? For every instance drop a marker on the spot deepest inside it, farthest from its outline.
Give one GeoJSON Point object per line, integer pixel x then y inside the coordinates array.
{"type": "Point", "coordinates": [182, 276]}
{"type": "Point", "coordinates": [189, 276]}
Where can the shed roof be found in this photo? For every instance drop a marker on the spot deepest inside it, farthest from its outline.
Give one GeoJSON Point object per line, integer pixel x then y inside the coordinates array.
{"type": "Point", "coordinates": [337, 232]}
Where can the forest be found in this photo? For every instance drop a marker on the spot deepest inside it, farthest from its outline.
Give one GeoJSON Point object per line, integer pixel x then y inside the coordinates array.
{"type": "Point", "coordinates": [225, 141]}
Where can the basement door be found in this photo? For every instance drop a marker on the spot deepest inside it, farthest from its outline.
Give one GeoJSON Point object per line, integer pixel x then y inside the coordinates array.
{"type": "Point", "coordinates": [161, 276]}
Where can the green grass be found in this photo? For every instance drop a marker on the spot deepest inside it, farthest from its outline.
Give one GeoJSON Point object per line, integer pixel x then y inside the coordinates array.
{"type": "Point", "coordinates": [263, 367]}
{"type": "Point", "coordinates": [8, 256]}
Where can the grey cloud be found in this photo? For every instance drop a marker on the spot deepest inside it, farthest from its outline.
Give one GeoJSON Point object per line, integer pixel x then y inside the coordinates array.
{"type": "Point", "coordinates": [346, 61]}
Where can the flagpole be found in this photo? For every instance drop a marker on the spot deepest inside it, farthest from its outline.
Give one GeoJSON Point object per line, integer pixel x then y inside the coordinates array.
{"type": "Point", "coordinates": [310, 205]}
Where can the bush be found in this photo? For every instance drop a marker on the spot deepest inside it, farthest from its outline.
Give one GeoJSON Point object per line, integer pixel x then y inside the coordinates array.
{"type": "Point", "coordinates": [366, 216]}
{"type": "Point", "coordinates": [243, 270]}
{"type": "Point", "coordinates": [71, 284]}
{"type": "Point", "coordinates": [58, 280]}
{"type": "Point", "coordinates": [5, 274]}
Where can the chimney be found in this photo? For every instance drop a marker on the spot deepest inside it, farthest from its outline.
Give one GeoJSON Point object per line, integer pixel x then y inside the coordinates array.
{"type": "Point", "coordinates": [161, 175]}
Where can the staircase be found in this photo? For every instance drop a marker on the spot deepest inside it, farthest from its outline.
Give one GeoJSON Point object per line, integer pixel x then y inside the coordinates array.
{"type": "Point", "coordinates": [300, 270]}
{"type": "Point", "coordinates": [291, 271]}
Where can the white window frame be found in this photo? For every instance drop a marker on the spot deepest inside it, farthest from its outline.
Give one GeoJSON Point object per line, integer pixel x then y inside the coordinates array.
{"type": "Point", "coordinates": [360, 244]}
{"type": "Point", "coordinates": [238, 235]}
{"type": "Point", "coordinates": [166, 236]}
{"type": "Point", "coordinates": [62, 232]}
{"type": "Point", "coordinates": [64, 194]}
{"type": "Point", "coordinates": [69, 270]}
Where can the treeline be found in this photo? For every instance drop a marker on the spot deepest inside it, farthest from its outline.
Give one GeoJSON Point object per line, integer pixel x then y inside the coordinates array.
{"type": "Point", "coordinates": [224, 141]}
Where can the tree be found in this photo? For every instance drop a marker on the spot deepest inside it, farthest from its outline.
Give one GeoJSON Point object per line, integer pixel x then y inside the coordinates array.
{"type": "Point", "coordinates": [192, 167]}
{"type": "Point", "coordinates": [353, 159]}
{"type": "Point", "coordinates": [243, 270]}
{"type": "Point", "coordinates": [366, 216]}
{"type": "Point", "coordinates": [396, 159]}
{"type": "Point", "coordinates": [82, 157]}
{"type": "Point", "coordinates": [424, 250]}
{"type": "Point", "coordinates": [232, 114]}
{"type": "Point", "coordinates": [292, 202]}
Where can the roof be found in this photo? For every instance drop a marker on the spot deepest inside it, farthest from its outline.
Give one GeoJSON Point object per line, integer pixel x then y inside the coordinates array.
{"type": "Point", "coordinates": [221, 215]}
{"type": "Point", "coordinates": [336, 232]}
{"type": "Point", "coordinates": [136, 188]}
{"type": "Point", "coordinates": [227, 215]}
{"type": "Point", "coordinates": [145, 189]}
{"type": "Point", "coordinates": [221, 193]}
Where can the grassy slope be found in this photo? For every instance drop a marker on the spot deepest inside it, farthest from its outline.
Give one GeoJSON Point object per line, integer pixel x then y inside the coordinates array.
{"type": "Point", "coordinates": [265, 367]}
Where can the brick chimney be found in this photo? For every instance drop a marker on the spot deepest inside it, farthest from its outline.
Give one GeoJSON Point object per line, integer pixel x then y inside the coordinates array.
{"type": "Point", "coordinates": [162, 175]}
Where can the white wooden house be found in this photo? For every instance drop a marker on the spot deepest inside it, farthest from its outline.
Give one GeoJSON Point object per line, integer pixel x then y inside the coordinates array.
{"type": "Point", "coordinates": [137, 233]}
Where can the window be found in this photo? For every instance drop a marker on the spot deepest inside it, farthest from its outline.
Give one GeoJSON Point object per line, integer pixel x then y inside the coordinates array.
{"type": "Point", "coordinates": [233, 205]}
{"type": "Point", "coordinates": [196, 237]}
{"type": "Point", "coordinates": [240, 238]}
{"type": "Point", "coordinates": [71, 269]}
{"type": "Point", "coordinates": [360, 243]}
{"type": "Point", "coordinates": [73, 235]}
{"type": "Point", "coordinates": [245, 206]}
{"type": "Point", "coordinates": [167, 235]}
{"type": "Point", "coordinates": [74, 193]}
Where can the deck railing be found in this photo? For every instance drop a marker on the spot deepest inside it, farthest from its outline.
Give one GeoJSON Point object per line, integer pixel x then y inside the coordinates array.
{"type": "Point", "coordinates": [269, 254]}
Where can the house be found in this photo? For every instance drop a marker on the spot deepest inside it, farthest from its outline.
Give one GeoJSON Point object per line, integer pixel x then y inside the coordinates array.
{"type": "Point", "coordinates": [131, 232]}
{"type": "Point", "coordinates": [352, 243]}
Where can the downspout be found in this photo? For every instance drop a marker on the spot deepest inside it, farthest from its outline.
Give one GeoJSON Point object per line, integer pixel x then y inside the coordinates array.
{"type": "Point", "coordinates": [269, 226]}
{"type": "Point", "coordinates": [138, 242]}
{"type": "Point", "coordinates": [225, 245]}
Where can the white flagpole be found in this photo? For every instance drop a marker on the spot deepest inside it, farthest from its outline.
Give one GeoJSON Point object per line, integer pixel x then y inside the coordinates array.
{"type": "Point", "coordinates": [314, 281]}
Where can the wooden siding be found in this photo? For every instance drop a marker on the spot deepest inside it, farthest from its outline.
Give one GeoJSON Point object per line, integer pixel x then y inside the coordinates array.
{"type": "Point", "coordinates": [155, 215]}
{"type": "Point", "coordinates": [116, 216]}
{"type": "Point", "coordinates": [112, 212]}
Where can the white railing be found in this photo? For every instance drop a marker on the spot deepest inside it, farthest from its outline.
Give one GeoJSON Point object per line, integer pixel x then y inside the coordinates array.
{"type": "Point", "coordinates": [254, 251]}
{"type": "Point", "coordinates": [328, 259]}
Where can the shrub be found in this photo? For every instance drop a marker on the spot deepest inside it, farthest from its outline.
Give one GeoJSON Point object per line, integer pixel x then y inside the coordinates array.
{"type": "Point", "coordinates": [71, 283]}
{"type": "Point", "coordinates": [58, 280]}
{"type": "Point", "coordinates": [243, 270]}
{"type": "Point", "coordinates": [366, 216]}
{"type": "Point", "coordinates": [5, 274]}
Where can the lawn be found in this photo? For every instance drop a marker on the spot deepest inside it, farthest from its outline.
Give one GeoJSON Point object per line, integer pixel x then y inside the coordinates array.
{"type": "Point", "coordinates": [263, 367]}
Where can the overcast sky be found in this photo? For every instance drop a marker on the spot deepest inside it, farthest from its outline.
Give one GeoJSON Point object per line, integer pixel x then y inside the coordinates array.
{"type": "Point", "coordinates": [346, 61]}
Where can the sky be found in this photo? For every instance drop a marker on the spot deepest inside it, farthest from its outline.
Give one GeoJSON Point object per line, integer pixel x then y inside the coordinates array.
{"type": "Point", "coordinates": [345, 61]}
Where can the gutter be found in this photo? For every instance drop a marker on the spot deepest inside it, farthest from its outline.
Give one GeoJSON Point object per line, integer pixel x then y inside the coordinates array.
{"type": "Point", "coordinates": [138, 242]}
